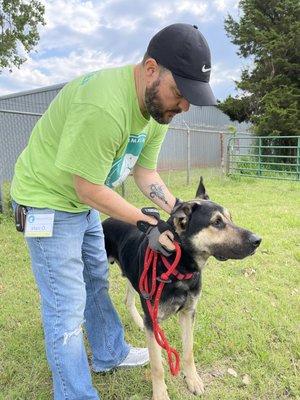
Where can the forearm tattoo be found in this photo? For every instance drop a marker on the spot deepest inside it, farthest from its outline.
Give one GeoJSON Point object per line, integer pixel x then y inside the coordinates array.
{"type": "Point", "coordinates": [156, 191]}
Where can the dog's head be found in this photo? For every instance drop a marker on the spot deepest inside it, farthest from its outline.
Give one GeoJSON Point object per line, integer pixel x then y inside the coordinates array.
{"type": "Point", "coordinates": [206, 229]}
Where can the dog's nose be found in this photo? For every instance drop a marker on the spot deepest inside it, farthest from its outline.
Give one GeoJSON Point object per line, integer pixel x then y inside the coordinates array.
{"type": "Point", "coordinates": [255, 240]}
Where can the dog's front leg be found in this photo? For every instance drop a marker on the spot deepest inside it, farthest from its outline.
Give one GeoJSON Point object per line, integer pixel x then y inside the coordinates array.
{"type": "Point", "coordinates": [130, 304]}
{"type": "Point", "coordinates": [157, 370]}
{"type": "Point", "coordinates": [193, 380]}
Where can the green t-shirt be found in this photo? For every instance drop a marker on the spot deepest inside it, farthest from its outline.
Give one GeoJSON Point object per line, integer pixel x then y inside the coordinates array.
{"type": "Point", "coordinates": [93, 128]}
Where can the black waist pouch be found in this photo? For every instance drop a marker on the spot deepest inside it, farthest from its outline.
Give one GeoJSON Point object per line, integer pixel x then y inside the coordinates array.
{"type": "Point", "coordinates": [20, 217]}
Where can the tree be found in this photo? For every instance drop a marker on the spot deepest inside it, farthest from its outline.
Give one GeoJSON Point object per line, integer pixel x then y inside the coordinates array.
{"type": "Point", "coordinates": [19, 21]}
{"type": "Point", "coordinates": [268, 34]}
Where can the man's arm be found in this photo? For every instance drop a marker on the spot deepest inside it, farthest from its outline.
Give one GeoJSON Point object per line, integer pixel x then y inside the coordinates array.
{"type": "Point", "coordinates": [109, 202]}
{"type": "Point", "coordinates": [153, 187]}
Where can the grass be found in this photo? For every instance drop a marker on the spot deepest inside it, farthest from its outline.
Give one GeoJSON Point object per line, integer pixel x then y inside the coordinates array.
{"type": "Point", "coordinates": [246, 319]}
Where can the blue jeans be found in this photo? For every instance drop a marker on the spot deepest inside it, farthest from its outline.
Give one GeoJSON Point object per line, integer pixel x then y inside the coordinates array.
{"type": "Point", "coordinates": [71, 272]}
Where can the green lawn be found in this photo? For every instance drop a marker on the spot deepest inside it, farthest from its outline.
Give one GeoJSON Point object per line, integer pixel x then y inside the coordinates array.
{"type": "Point", "coordinates": [247, 320]}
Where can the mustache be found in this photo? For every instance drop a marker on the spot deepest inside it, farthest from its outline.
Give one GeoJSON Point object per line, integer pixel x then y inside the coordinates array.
{"type": "Point", "coordinates": [175, 110]}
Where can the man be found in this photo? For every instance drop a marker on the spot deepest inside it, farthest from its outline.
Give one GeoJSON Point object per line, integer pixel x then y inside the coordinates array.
{"type": "Point", "coordinates": [98, 129]}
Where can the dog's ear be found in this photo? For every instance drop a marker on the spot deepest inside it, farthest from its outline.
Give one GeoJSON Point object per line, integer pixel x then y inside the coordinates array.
{"type": "Point", "coordinates": [181, 215]}
{"type": "Point", "coordinates": [201, 192]}
{"type": "Point", "coordinates": [182, 210]}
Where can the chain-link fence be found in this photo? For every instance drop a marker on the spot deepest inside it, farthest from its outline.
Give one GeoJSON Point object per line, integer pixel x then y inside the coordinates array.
{"type": "Point", "coordinates": [197, 138]}
{"type": "Point", "coordinates": [184, 147]}
{"type": "Point", "coordinates": [15, 129]}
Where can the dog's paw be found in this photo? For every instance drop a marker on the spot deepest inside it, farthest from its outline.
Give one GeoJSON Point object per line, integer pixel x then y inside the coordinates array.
{"type": "Point", "coordinates": [195, 384]}
{"type": "Point", "coordinates": [161, 396]}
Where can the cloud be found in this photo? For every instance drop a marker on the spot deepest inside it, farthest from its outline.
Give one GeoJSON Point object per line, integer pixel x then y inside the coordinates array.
{"type": "Point", "coordinates": [163, 12]}
{"type": "Point", "coordinates": [82, 36]}
{"type": "Point", "coordinates": [220, 74]}
{"type": "Point", "coordinates": [53, 70]}
{"type": "Point", "coordinates": [80, 16]}
{"type": "Point", "coordinates": [225, 5]}
{"type": "Point", "coordinates": [196, 8]}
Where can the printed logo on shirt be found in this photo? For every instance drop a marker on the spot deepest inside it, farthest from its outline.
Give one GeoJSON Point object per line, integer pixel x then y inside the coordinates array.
{"type": "Point", "coordinates": [87, 77]}
{"type": "Point", "coordinates": [123, 165]}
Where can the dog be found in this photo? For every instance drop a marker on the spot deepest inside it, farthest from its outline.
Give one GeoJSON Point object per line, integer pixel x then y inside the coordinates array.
{"type": "Point", "coordinates": [203, 229]}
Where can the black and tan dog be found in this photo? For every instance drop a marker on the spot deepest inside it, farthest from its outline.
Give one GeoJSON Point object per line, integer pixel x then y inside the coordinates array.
{"type": "Point", "coordinates": [203, 229]}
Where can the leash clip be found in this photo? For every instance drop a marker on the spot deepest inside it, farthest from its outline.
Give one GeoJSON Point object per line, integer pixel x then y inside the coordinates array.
{"type": "Point", "coordinates": [145, 295]}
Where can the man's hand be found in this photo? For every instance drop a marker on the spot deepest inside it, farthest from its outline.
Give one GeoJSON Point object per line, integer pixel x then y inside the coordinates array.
{"type": "Point", "coordinates": [160, 238]}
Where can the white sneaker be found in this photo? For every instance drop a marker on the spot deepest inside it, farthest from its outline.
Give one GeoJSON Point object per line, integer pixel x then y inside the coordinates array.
{"type": "Point", "coordinates": [137, 357]}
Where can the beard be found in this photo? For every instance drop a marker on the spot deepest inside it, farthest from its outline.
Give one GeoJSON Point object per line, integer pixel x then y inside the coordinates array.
{"type": "Point", "coordinates": [155, 107]}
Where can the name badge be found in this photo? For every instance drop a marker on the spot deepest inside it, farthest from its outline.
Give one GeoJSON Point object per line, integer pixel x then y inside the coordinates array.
{"type": "Point", "coordinates": [39, 224]}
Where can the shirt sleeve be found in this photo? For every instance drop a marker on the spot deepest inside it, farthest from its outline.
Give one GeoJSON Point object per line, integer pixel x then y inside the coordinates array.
{"type": "Point", "coordinates": [89, 142]}
{"type": "Point", "coordinates": [149, 155]}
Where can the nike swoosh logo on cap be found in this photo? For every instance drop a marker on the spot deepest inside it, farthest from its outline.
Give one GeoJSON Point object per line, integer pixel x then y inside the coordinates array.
{"type": "Point", "coordinates": [205, 69]}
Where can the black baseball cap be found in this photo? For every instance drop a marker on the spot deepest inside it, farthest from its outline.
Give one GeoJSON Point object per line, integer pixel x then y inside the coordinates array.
{"type": "Point", "coordinates": [183, 50]}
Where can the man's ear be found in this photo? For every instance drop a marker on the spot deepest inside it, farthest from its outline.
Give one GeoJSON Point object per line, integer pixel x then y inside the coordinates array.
{"type": "Point", "coordinates": [201, 192]}
{"type": "Point", "coordinates": [151, 69]}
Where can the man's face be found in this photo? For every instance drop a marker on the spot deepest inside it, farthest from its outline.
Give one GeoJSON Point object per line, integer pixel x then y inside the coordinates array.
{"type": "Point", "coordinates": [163, 99]}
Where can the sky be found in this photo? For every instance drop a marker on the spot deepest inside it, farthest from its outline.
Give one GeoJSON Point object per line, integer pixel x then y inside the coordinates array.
{"type": "Point", "coordinates": [83, 36]}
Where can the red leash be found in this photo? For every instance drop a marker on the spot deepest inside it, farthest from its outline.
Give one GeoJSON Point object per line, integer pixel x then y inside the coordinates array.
{"type": "Point", "coordinates": [151, 258]}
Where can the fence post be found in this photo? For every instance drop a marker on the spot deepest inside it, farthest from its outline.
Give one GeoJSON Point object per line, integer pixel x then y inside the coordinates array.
{"type": "Point", "coordinates": [188, 167]}
{"type": "Point", "coordinates": [228, 157]}
{"type": "Point", "coordinates": [231, 160]}
{"type": "Point", "coordinates": [259, 156]}
{"type": "Point", "coordinates": [222, 151]}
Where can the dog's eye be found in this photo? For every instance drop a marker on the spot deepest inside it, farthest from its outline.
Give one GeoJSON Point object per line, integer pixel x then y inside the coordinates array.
{"type": "Point", "coordinates": [218, 222]}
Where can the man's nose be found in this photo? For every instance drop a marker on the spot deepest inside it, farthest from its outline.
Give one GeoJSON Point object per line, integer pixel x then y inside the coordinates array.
{"type": "Point", "coordinates": [184, 105]}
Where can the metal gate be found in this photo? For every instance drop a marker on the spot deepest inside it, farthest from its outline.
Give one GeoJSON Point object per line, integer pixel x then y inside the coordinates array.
{"type": "Point", "coordinates": [273, 157]}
